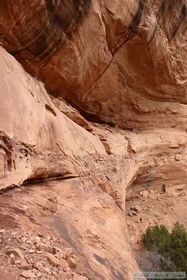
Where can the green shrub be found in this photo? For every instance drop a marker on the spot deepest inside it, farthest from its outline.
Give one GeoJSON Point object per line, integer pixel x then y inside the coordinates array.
{"type": "Point", "coordinates": [157, 238]}
{"type": "Point", "coordinates": [178, 237]}
{"type": "Point", "coordinates": [178, 248]}
{"type": "Point", "coordinates": [172, 247]}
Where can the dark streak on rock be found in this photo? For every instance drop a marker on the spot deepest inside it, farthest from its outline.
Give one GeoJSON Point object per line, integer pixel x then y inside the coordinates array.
{"type": "Point", "coordinates": [132, 30]}
{"type": "Point", "coordinates": [50, 109]}
{"type": "Point", "coordinates": [62, 20]}
{"type": "Point", "coordinates": [101, 260]}
{"type": "Point", "coordinates": [7, 145]}
{"type": "Point", "coordinates": [184, 10]}
{"type": "Point", "coordinates": [137, 18]}
{"type": "Point", "coordinates": [117, 275]}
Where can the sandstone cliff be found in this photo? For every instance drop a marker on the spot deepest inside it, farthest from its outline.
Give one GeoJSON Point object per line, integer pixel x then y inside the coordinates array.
{"type": "Point", "coordinates": [93, 92]}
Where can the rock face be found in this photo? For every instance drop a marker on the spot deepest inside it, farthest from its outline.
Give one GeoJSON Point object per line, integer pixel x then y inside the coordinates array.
{"type": "Point", "coordinates": [117, 119]}
{"type": "Point", "coordinates": [121, 62]}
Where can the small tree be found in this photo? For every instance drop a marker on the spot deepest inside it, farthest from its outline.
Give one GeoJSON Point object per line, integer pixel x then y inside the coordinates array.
{"type": "Point", "coordinates": [172, 247]}
{"type": "Point", "coordinates": [157, 238]}
{"type": "Point", "coordinates": [178, 248]}
{"type": "Point", "coordinates": [178, 237]}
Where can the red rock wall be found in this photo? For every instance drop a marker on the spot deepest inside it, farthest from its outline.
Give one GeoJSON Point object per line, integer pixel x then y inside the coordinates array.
{"type": "Point", "coordinates": [118, 62]}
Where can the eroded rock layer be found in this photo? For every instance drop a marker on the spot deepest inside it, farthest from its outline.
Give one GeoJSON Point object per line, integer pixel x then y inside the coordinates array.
{"type": "Point", "coordinates": [121, 62]}
{"type": "Point", "coordinates": [41, 142]}
{"type": "Point", "coordinates": [110, 114]}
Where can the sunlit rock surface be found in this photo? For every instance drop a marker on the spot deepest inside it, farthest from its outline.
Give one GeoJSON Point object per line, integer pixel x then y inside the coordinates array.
{"type": "Point", "coordinates": [93, 92]}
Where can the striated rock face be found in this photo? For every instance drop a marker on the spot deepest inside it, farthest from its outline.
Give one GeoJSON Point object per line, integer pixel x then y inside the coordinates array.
{"type": "Point", "coordinates": [109, 115]}
{"type": "Point", "coordinates": [121, 62]}
{"type": "Point", "coordinates": [41, 141]}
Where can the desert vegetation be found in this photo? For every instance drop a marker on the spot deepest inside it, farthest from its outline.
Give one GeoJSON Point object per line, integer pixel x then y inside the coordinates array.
{"type": "Point", "coordinates": [168, 249]}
